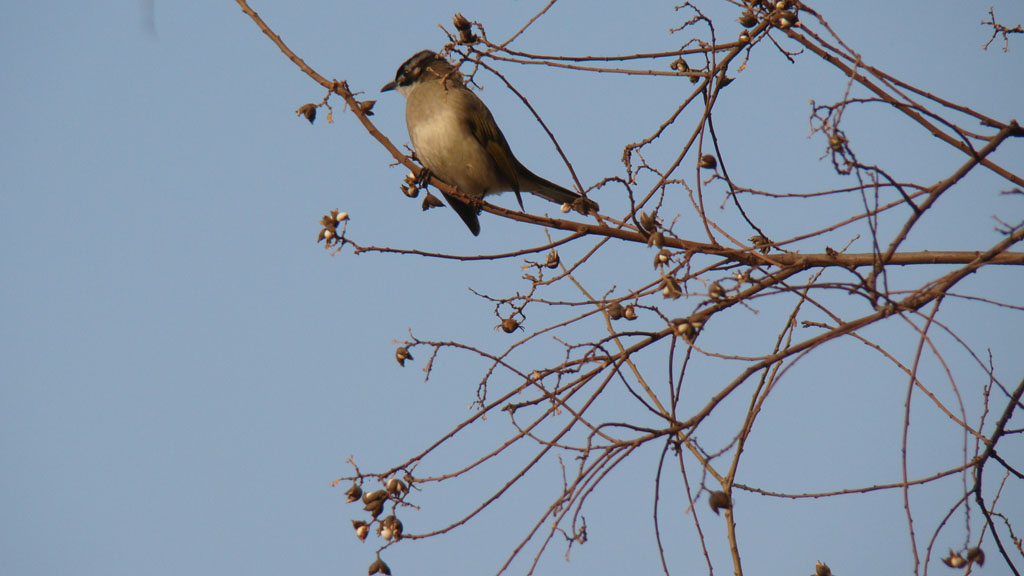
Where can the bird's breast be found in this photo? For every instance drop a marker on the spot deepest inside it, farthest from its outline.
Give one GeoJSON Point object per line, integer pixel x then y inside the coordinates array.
{"type": "Point", "coordinates": [445, 145]}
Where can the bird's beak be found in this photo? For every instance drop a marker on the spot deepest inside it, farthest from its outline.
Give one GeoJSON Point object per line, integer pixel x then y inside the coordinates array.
{"type": "Point", "coordinates": [389, 86]}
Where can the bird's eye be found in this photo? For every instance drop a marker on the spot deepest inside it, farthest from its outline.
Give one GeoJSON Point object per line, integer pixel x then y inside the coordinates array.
{"type": "Point", "coordinates": [409, 76]}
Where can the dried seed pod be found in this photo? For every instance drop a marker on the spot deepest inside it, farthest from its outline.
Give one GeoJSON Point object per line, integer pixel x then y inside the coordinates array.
{"type": "Point", "coordinates": [374, 507]}
{"type": "Point", "coordinates": [374, 496]}
{"type": "Point", "coordinates": [553, 260]}
{"type": "Point", "coordinates": [744, 37]}
{"type": "Point", "coordinates": [785, 19]}
{"type": "Point", "coordinates": [670, 287]}
{"type": "Point", "coordinates": [680, 326]}
{"type": "Point", "coordinates": [361, 528]}
{"type": "Point", "coordinates": [747, 19]}
{"type": "Point", "coordinates": [662, 258]}
{"type": "Point", "coordinates": [431, 201]}
{"type": "Point", "coordinates": [837, 142]}
{"type": "Point", "coordinates": [715, 291]}
{"type": "Point", "coordinates": [565, 208]}
{"type": "Point", "coordinates": [954, 560]}
{"type": "Point", "coordinates": [391, 527]}
{"type": "Point", "coordinates": [330, 220]}
{"type": "Point", "coordinates": [708, 161]}
{"type": "Point", "coordinates": [680, 65]}
{"type": "Point", "coordinates": [686, 329]}
{"type": "Point", "coordinates": [329, 228]}
{"type": "Point", "coordinates": [461, 22]}
{"type": "Point", "coordinates": [307, 111]}
{"type": "Point", "coordinates": [509, 325]}
{"type": "Point", "coordinates": [761, 243]}
{"type": "Point", "coordinates": [402, 354]}
{"type": "Point", "coordinates": [378, 567]}
{"type": "Point", "coordinates": [649, 222]}
{"type": "Point", "coordinates": [585, 206]}
{"type": "Point", "coordinates": [339, 216]}
{"type": "Point", "coordinates": [822, 569]}
{"type": "Point", "coordinates": [465, 28]}
{"type": "Point", "coordinates": [366, 107]}
{"type": "Point", "coordinates": [615, 310]}
{"type": "Point", "coordinates": [976, 555]}
{"type": "Point", "coordinates": [353, 493]}
{"type": "Point", "coordinates": [656, 239]}
{"type": "Point", "coordinates": [719, 500]}
{"type": "Point", "coordinates": [630, 312]}
{"type": "Point", "coordinates": [396, 487]}
{"type": "Point", "coordinates": [410, 191]}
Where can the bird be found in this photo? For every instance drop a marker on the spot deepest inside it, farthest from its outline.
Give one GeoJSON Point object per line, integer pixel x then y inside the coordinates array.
{"type": "Point", "coordinates": [456, 138]}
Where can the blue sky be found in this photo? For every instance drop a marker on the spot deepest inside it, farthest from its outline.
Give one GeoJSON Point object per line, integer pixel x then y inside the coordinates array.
{"type": "Point", "coordinates": [184, 370]}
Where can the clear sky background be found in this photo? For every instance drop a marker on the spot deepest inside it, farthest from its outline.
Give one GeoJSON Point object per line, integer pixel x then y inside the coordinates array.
{"type": "Point", "coordinates": [183, 370]}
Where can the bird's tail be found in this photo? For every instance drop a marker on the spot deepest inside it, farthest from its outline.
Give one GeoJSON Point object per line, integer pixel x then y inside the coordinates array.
{"type": "Point", "coordinates": [554, 193]}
